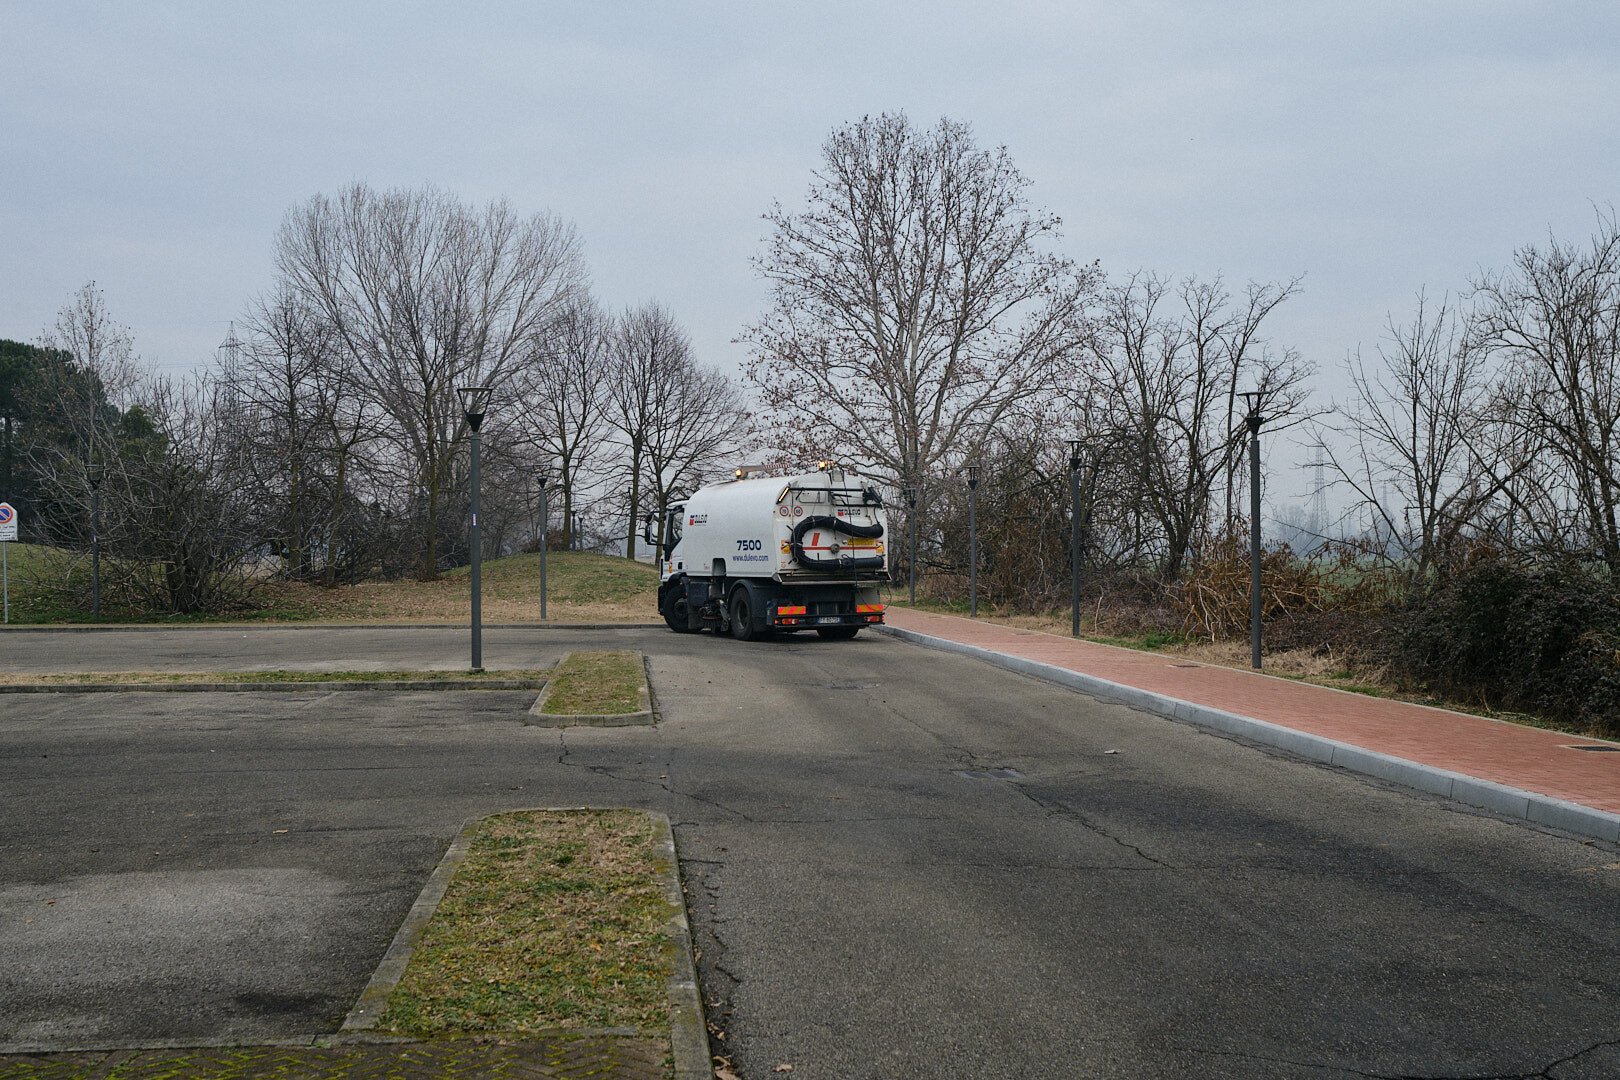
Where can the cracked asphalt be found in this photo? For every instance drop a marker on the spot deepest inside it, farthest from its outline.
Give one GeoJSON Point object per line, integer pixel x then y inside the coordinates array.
{"type": "Point", "coordinates": [196, 868]}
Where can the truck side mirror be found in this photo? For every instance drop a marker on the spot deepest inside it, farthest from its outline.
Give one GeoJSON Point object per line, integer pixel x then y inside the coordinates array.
{"type": "Point", "coordinates": [647, 529]}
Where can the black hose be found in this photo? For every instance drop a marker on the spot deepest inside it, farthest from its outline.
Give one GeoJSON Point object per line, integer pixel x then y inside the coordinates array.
{"type": "Point", "coordinates": [843, 563]}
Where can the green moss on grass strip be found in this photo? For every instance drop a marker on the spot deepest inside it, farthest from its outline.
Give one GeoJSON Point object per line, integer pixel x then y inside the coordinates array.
{"type": "Point", "coordinates": [555, 920]}
{"type": "Point", "coordinates": [596, 683]}
{"type": "Point", "coordinates": [166, 678]}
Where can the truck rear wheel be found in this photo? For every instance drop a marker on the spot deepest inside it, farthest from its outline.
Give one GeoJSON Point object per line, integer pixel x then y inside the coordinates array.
{"type": "Point", "coordinates": [675, 608]}
{"type": "Point", "coordinates": [838, 633]}
{"type": "Point", "coordinates": [742, 617]}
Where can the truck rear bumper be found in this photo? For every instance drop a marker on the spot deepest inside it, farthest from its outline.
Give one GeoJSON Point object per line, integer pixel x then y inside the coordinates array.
{"type": "Point", "coordinates": [795, 618]}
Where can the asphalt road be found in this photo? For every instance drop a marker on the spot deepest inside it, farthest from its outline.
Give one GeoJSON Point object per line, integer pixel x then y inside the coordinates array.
{"type": "Point", "coordinates": [203, 867]}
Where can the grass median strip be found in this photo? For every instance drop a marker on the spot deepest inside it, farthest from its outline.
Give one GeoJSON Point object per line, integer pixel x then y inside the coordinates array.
{"type": "Point", "coordinates": [180, 678]}
{"type": "Point", "coordinates": [556, 920]}
{"type": "Point", "coordinates": [597, 682]}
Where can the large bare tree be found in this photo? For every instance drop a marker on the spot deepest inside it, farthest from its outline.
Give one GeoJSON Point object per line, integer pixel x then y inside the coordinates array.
{"type": "Point", "coordinates": [1170, 364]}
{"type": "Point", "coordinates": [563, 381]}
{"type": "Point", "coordinates": [912, 301]}
{"type": "Point", "coordinates": [1553, 319]}
{"type": "Point", "coordinates": [428, 294]}
{"type": "Point", "coordinates": [650, 353]}
{"type": "Point", "coordinates": [699, 420]}
{"type": "Point", "coordinates": [1406, 444]}
{"type": "Point", "coordinates": [298, 396]}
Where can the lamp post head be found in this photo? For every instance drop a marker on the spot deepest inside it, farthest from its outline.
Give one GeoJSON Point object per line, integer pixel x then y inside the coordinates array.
{"type": "Point", "coordinates": [542, 478]}
{"type": "Point", "coordinates": [94, 473]}
{"type": "Point", "coordinates": [1074, 455]}
{"type": "Point", "coordinates": [972, 476]}
{"type": "Point", "coordinates": [1254, 399]}
{"type": "Point", "coordinates": [910, 493]}
{"type": "Point", "coordinates": [474, 403]}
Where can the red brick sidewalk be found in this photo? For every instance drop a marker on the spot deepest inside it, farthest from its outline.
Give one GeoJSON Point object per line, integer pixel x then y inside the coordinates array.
{"type": "Point", "coordinates": [1520, 757]}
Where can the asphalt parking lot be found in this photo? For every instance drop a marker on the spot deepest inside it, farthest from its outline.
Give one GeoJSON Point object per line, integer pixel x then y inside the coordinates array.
{"type": "Point", "coordinates": [874, 896]}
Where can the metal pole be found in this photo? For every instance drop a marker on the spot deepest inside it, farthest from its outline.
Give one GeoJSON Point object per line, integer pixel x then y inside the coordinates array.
{"type": "Point", "coordinates": [911, 525]}
{"type": "Point", "coordinates": [5, 578]}
{"type": "Point", "coordinates": [1254, 539]}
{"type": "Point", "coordinates": [477, 567]}
{"type": "Point", "coordinates": [973, 548]}
{"type": "Point", "coordinates": [95, 552]}
{"type": "Point", "coordinates": [1074, 539]}
{"type": "Point", "coordinates": [544, 521]}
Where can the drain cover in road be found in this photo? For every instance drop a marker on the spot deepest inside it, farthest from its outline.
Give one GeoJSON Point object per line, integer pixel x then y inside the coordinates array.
{"type": "Point", "coordinates": [990, 774]}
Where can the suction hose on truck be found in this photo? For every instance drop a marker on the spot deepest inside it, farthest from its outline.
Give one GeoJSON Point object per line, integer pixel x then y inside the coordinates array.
{"type": "Point", "coordinates": [839, 563]}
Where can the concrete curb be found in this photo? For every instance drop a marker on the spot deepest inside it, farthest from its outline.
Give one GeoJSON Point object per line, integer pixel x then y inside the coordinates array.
{"type": "Point", "coordinates": [411, 685]}
{"type": "Point", "coordinates": [1487, 794]}
{"type": "Point", "coordinates": [538, 717]}
{"type": "Point", "coordinates": [688, 1031]}
{"type": "Point", "coordinates": [368, 1009]}
{"type": "Point", "coordinates": [127, 627]}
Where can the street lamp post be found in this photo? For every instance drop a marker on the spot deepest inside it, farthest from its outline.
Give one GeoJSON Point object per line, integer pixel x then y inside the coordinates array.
{"type": "Point", "coordinates": [474, 402]}
{"type": "Point", "coordinates": [579, 524]}
{"type": "Point", "coordinates": [1074, 537]}
{"type": "Point", "coordinates": [545, 520]}
{"type": "Point", "coordinates": [94, 473]}
{"type": "Point", "coordinates": [1254, 420]}
{"type": "Point", "coordinates": [911, 547]}
{"type": "Point", "coordinates": [973, 540]}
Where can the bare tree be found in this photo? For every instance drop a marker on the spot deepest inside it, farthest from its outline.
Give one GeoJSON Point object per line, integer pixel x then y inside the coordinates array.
{"type": "Point", "coordinates": [428, 294]}
{"type": "Point", "coordinates": [649, 352]}
{"type": "Point", "coordinates": [1554, 321]}
{"type": "Point", "coordinates": [179, 515]}
{"type": "Point", "coordinates": [912, 305]}
{"type": "Point", "coordinates": [562, 383]}
{"type": "Point", "coordinates": [1170, 365]}
{"type": "Point", "coordinates": [1409, 437]}
{"type": "Point", "coordinates": [700, 418]}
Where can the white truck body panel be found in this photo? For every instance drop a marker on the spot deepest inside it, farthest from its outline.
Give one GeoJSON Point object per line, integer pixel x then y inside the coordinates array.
{"type": "Point", "coordinates": [748, 526]}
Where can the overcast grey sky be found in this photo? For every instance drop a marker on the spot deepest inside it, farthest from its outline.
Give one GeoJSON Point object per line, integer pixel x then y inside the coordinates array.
{"type": "Point", "coordinates": [1372, 147]}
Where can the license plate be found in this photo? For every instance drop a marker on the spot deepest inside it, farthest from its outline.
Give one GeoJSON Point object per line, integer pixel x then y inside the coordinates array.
{"type": "Point", "coordinates": [829, 619]}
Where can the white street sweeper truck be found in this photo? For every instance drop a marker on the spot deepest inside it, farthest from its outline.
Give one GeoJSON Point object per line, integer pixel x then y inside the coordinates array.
{"type": "Point", "coordinates": [762, 554]}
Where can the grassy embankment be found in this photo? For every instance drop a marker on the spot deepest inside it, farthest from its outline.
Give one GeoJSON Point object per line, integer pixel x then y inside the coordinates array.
{"type": "Point", "coordinates": [582, 587]}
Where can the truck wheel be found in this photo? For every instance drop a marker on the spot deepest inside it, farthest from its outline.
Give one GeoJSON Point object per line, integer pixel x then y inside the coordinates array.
{"type": "Point", "coordinates": [838, 633]}
{"type": "Point", "coordinates": [742, 617]}
{"type": "Point", "coordinates": [675, 614]}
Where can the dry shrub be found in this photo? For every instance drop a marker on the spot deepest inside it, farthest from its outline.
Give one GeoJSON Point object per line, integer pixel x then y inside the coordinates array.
{"type": "Point", "coordinates": [1297, 590]}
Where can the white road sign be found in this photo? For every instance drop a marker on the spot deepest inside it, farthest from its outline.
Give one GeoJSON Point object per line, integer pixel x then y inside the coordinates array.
{"type": "Point", "coordinates": [8, 522]}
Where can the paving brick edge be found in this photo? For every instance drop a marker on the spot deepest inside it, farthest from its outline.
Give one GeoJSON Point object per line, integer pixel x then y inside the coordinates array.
{"type": "Point", "coordinates": [411, 685]}
{"type": "Point", "coordinates": [538, 717]}
{"type": "Point", "coordinates": [1486, 794]}
{"type": "Point", "coordinates": [688, 1031]}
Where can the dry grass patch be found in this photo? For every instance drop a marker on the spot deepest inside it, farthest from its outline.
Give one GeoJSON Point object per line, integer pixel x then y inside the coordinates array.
{"type": "Point", "coordinates": [52, 586]}
{"type": "Point", "coordinates": [555, 920]}
{"type": "Point", "coordinates": [597, 683]}
{"type": "Point", "coordinates": [581, 587]}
